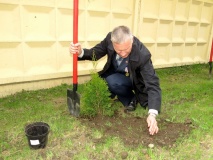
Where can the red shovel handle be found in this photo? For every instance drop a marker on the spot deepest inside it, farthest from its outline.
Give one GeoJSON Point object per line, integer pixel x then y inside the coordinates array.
{"type": "Point", "coordinates": [211, 53]}
{"type": "Point", "coordinates": [75, 40]}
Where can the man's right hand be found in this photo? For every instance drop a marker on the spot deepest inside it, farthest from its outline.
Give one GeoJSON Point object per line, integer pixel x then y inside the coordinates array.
{"type": "Point", "coordinates": [75, 48]}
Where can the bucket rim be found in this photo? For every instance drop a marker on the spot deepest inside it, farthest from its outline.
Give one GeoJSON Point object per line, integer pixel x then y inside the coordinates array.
{"type": "Point", "coordinates": [37, 124]}
{"type": "Point", "coordinates": [40, 124]}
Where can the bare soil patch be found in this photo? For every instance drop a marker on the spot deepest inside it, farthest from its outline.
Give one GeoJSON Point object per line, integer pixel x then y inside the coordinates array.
{"type": "Point", "coordinates": [134, 131]}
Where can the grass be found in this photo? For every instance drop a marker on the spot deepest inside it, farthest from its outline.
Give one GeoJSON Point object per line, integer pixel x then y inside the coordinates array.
{"type": "Point", "coordinates": [187, 94]}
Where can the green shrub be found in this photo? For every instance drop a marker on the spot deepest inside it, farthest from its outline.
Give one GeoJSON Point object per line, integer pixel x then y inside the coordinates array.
{"type": "Point", "coordinates": [95, 98]}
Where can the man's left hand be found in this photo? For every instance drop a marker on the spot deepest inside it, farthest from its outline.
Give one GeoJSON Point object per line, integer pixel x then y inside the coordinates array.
{"type": "Point", "coordinates": [152, 125]}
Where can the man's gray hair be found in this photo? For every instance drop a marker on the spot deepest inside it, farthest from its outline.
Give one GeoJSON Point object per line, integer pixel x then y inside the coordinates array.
{"type": "Point", "coordinates": [121, 34]}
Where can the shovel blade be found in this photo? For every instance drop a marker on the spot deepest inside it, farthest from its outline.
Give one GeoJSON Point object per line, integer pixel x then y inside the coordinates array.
{"type": "Point", "coordinates": [73, 102]}
{"type": "Point", "coordinates": [210, 68]}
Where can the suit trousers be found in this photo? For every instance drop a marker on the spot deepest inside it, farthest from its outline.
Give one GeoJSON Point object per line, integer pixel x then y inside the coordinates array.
{"type": "Point", "coordinates": [120, 85]}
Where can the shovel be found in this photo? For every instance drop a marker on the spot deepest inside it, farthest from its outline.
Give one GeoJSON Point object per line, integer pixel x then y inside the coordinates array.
{"type": "Point", "coordinates": [73, 98]}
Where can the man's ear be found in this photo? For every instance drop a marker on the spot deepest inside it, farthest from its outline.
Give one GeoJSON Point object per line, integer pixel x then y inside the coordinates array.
{"type": "Point", "coordinates": [132, 38]}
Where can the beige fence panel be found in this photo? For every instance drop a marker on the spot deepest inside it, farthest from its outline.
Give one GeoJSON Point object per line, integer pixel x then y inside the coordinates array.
{"type": "Point", "coordinates": [177, 32]}
{"type": "Point", "coordinates": [35, 36]}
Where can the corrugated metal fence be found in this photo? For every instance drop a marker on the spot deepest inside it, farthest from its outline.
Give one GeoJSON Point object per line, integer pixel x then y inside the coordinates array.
{"type": "Point", "coordinates": [35, 36]}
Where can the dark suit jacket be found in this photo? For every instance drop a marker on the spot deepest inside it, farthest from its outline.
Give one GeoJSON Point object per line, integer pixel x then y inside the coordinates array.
{"type": "Point", "coordinates": [145, 81]}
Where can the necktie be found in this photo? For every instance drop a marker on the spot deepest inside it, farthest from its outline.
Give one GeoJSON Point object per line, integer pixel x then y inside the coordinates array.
{"type": "Point", "coordinates": [118, 59]}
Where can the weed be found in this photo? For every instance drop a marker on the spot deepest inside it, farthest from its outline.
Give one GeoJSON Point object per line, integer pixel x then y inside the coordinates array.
{"type": "Point", "coordinates": [108, 124]}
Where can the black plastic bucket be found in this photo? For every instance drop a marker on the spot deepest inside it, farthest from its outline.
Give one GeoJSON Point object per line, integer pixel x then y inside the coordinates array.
{"type": "Point", "coordinates": [37, 134]}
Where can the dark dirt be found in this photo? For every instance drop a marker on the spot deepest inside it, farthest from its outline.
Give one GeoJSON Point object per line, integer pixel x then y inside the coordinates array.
{"type": "Point", "coordinates": [134, 131]}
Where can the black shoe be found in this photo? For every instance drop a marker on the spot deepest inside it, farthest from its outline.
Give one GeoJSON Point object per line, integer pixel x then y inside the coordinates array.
{"type": "Point", "coordinates": [112, 96]}
{"type": "Point", "coordinates": [131, 106]}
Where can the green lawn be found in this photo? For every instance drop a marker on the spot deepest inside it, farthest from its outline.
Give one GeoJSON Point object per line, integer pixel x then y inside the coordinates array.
{"type": "Point", "coordinates": [187, 94]}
